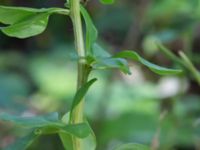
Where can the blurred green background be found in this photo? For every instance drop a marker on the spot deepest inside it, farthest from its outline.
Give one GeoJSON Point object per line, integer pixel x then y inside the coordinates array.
{"type": "Point", "coordinates": [38, 75]}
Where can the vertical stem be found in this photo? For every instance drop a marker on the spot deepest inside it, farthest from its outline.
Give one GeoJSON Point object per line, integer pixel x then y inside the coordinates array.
{"type": "Point", "coordinates": [77, 113]}
{"type": "Point", "coordinates": [77, 24]}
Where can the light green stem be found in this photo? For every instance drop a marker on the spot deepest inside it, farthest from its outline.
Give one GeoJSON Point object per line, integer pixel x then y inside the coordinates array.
{"type": "Point", "coordinates": [188, 64]}
{"type": "Point", "coordinates": [77, 113]}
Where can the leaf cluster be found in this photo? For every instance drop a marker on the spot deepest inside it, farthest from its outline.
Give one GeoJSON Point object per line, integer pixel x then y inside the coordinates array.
{"type": "Point", "coordinates": [23, 22]}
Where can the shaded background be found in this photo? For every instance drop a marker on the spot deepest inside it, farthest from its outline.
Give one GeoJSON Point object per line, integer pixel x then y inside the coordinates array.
{"type": "Point", "coordinates": [38, 75]}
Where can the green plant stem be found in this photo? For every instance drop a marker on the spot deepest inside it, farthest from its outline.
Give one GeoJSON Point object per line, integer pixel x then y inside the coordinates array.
{"type": "Point", "coordinates": [189, 65]}
{"type": "Point", "coordinates": [169, 54]}
{"type": "Point", "coordinates": [77, 113]}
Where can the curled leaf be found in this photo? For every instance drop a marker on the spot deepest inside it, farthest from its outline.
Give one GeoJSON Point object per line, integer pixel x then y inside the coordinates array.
{"type": "Point", "coordinates": [153, 67]}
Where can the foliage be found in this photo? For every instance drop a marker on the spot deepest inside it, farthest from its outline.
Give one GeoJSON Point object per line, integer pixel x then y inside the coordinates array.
{"type": "Point", "coordinates": [28, 22]}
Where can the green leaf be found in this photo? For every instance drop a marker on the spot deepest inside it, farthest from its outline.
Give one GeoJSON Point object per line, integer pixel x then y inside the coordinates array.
{"type": "Point", "coordinates": [26, 22]}
{"type": "Point", "coordinates": [11, 15]}
{"type": "Point", "coordinates": [107, 1]}
{"type": "Point", "coordinates": [153, 67]}
{"type": "Point", "coordinates": [132, 146]}
{"type": "Point", "coordinates": [79, 130]}
{"type": "Point", "coordinates": [101, 59]}
{"type": "Point", "coordinates": [30, 26]}
{"type": "Point", "coordinates": [42, 125]}
{"type": "Point", "coordinates": [81, 93]}
{"type": "Point", "coordinates": [110, 62]}
{"type": "Point", "coordinates": [22, 143]}
{"type": "Point", "coordinates": [88, 142]}
{"type": "Point", "coordinates": [99, 52]}
{"type": "Point", "coordinates": [48, 124]}
{"type": "Point", "coordinates": [66, 141]}
{"type": "Point", "coordinates": [91, 31]}
{"type": "Point", "coordinates": [67, 138]}
{"type": "Point", "coordinates": [32, 122]}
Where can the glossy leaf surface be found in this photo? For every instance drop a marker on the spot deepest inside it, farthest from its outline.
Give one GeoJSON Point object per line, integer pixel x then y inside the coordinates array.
{"type": "Point", "coordinates": [31, 26]}
{"type": "Point", "coordinates": [25, 22]}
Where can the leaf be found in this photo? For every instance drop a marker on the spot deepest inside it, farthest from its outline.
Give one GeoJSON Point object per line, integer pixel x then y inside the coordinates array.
{"type": "Point", "coordinates": [79, 130]}
{"type": "Point", "coordinates": [110, 62]}
{"type": "Point", "coordinates": [88, 142]}
{"type": "Point", "coordinates": [99, 52]}
{"type": "Point", "coordinates": [107, 1]}
{"type": "Point", "coordinates": [101, 59]}
{"type": "Point", "coordinates": [33, 122]}
{"type": "Point", "coordinates": [66, 141]}
{"type": "Point", "coordinates": [42, 125]}
{"type": "Point", "coordinates": [11, 15]}
{"type": "Point", "coordinates": [81, 93]}
{"type": "Point", "coordinates": [66, 138]}
{"type": "Point", "coordinates": [153, 67]}
{"type": "Point", "coordinates": [48, 124]}
{"type": "Point", "coordinates": [66, 118]}
{"type": "Point", "coordinates": [22, 143]}
{"type": "Point", "coordinates": [30, 26]}
{"type": "Point", "coordinates": [91, 31]}
{"type": "Point", "coordinates": [26, 22]}
{"type": "Point", "coordinates": [132, 146]}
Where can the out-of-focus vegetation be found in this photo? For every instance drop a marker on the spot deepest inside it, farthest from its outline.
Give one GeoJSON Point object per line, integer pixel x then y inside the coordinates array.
{"type": "Point", "coordinates": [38, 75]}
